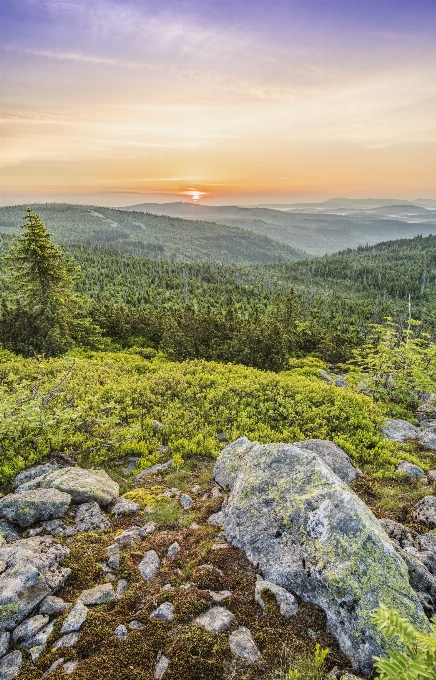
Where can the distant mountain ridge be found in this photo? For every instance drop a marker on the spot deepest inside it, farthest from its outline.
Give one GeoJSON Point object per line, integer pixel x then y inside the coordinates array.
{"type": "Point", "coordinates": [315, 230]}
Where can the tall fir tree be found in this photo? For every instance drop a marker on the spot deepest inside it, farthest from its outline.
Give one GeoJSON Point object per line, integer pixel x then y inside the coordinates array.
{"type": "Point", "coordinates": [45, 315]}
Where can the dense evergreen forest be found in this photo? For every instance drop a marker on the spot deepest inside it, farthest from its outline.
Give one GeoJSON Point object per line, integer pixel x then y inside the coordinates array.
{"type": "Point", "coordinates": [257, 315]}
{"type": "Point", "coordinates": [153, 236]}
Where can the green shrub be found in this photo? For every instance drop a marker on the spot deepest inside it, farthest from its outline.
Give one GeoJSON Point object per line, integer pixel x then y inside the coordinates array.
{"type": "Point", "coordinates": [96, 407]}
{"type": "Point", "coordinates": [413, 656]}
{"type": "Point", "coordinates": [307, 666]}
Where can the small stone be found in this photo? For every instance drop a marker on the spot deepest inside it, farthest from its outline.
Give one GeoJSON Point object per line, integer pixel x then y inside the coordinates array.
{"type": "Point", "coordinates": [196, 489]}
{"type": "Point", "coordinates": [10, 665]}
{"type": "Point", "coordinates": [159, 467]}
{"type": "Point", "coordinates": [52, 605]}
{"type": "Point", "coordinates": [68, 640]}
{"type": "Point", "coordinates": [35, 652]}
{"type": "Point", "coordinates": [194, 526]}
{"type": "Point", "coordinates": [128, 538]}
{"type": "Point", "coordinates": [29, 628]}
{"type": "Point", "coordinates": [173, 550]}
{"type": "Point", "coordinates": [98, 595]}
{"type": "Point", "coordinates": [149, 564]}
{"type": "Point", "coordinates": [136, 625]}
{"type": "Point", "coordinates": [167, 586]}
{"type": "Point", "coordinates": [242, 645]}
{"type": "Point", "coordinates": [424, 512]}
{"type": "Point", "coordinates": [217, 519]}
{"type": "Point", "coordinates": [131, 465]}
{"type": "Point", "coordinates": [32, 506]}
{"type": "Point", "coordinates": [89, 517]}
{"type": "Point", "coordinates": [4, 642]}
{"type": "Point", "coordinates": [110, 576]}
{"type": "Point", "coordinates": [70, 666]}
{"type": "Point", "coordinates": [8, 531]}
{"type": "Point", "coordinates": [341, 382]}
{"type": "Point", "coordinates": [157, 425]}
{"type": "Point", "coordinates": [165, 611]}
{"type": "Point", "coordinates": [122, 586]}
{"type": "Point", "coordinates": [324, 375]}
{"type": "Point", "coordinates": [215, 619]}
{"type": "Point", "coordinates": [53, 667]}
{"type": "Point", "coordinates": [41, 636]}
{"type": "Point", "coordinates": [124, 506]}
{"type": "Point", "coordinates": [75, 619]}
{"type": "Point", "coordinates": [216, 493]}
{"type": "Point", "coordinates": [186, 501]}
{"type": "Point", "coordinates": [399, 430]}
{"type": "Point", "coordinates": [114, 561]}
{"type": "Point", "coordinates": [161, 667]}
{"type": "Point", "coordinates": [288, 605]}
{"type": "Point", "coordinates": [113, 549]}
{"type": "Point", "coordinates": [432, 475]}
{"type": "Point", "coordinates": [121, 632]}
{"type": "Point", "coordinates": [218, 596]}
{"type": "Point", "coordinates": [410, 470]}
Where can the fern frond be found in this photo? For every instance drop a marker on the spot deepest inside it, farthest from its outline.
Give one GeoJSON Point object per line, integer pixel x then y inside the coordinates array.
{"type": "Point", "coordinates": [392, 625]}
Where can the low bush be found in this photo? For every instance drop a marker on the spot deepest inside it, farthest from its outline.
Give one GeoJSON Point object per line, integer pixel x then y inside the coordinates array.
{"type": "Point", "coordinates": [101, 407]}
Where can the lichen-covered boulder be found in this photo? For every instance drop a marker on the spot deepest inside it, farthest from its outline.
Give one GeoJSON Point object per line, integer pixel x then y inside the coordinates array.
{"type": "Point", "coordinates": [84, 486]}
{"type": "Point", "coordinates": [339, 461]}
{"type": "Point", "coordinates": [309, 533]}
{"type": "Point", "coordinates": [33, 572]}
{"type": "Point", "coordinates": [35, 505]}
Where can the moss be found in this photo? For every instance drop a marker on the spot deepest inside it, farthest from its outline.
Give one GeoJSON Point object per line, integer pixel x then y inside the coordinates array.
{"type": "Point", "coordinates": [195, 654]}
{"type": "Point", "coordinates": [270, 602]}
{"type": "Point", "coordinates": [86, 551]}
{"type": "Point", "coordinates": [147, 497]}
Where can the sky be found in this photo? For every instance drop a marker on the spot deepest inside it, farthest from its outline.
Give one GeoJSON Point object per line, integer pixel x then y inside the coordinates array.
{"type": "Point", "coordinates": [224, 101]}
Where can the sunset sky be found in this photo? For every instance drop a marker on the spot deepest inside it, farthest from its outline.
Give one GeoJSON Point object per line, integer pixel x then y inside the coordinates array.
{"type": "Point", "coordinates": [239, 101]}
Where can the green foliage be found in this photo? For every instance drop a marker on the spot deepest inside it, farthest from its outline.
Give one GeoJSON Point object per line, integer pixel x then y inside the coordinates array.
{"type": "Point", "coordinates": [398, 364]}
{"type": "Point", "coordinates": [90, 407]}
{"type": "Point", "coordinates": [307, 666]}
{"type": "Point", "coordinates": [413, 656]}
{"type": "Point", "coordinates": [46, 315]}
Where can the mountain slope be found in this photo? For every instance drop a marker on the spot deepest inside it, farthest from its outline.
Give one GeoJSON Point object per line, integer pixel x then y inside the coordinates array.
{"type": "Point", "coordinates": [151, 236]}
{"type": "Point", "coordinates": [317, 231]}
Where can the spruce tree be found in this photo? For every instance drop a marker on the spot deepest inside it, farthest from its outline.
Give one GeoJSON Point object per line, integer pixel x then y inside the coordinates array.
{"type": "Point", "coordinates": [46, 315]}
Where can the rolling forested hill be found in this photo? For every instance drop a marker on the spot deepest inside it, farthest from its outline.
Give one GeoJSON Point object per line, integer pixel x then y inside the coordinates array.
{"type": "Point", "coordinates": [151, 236]}
{"type": "Point", "coordinates": [315, 228]}
{"type": "Point", "coordinates": [323, 304]}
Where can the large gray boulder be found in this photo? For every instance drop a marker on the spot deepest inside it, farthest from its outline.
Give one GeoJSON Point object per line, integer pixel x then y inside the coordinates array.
{"type": "Point", "coordinates": [35, 505]}
{"type": "Point", "coordinates": [33, 572]}
{"type": "Point", "coordinates": [308, 532]}
{"type": "Point", "coordinates": [84, 486]}
{"type": "Point", "coordinates": [339, 461]}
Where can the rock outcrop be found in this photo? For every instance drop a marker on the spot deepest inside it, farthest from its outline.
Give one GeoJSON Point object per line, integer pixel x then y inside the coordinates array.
{"type": "Point", "coordinates": [84, 486]}
{"type": "Point", "coordinates": [35, 505]}
{"type": "Point", "coordinates": [309, 533]}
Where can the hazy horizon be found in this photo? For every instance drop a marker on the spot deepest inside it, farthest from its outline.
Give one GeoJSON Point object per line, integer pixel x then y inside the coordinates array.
{"type": "Point", "coordinates": [272, 101]}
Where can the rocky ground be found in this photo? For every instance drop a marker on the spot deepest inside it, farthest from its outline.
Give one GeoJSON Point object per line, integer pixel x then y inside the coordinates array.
{"type": "Point", "coordinates": [94, 586]}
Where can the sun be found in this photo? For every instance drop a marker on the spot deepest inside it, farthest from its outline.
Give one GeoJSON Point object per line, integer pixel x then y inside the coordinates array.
{"type": "Point", "coordinates": [194, 195]}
